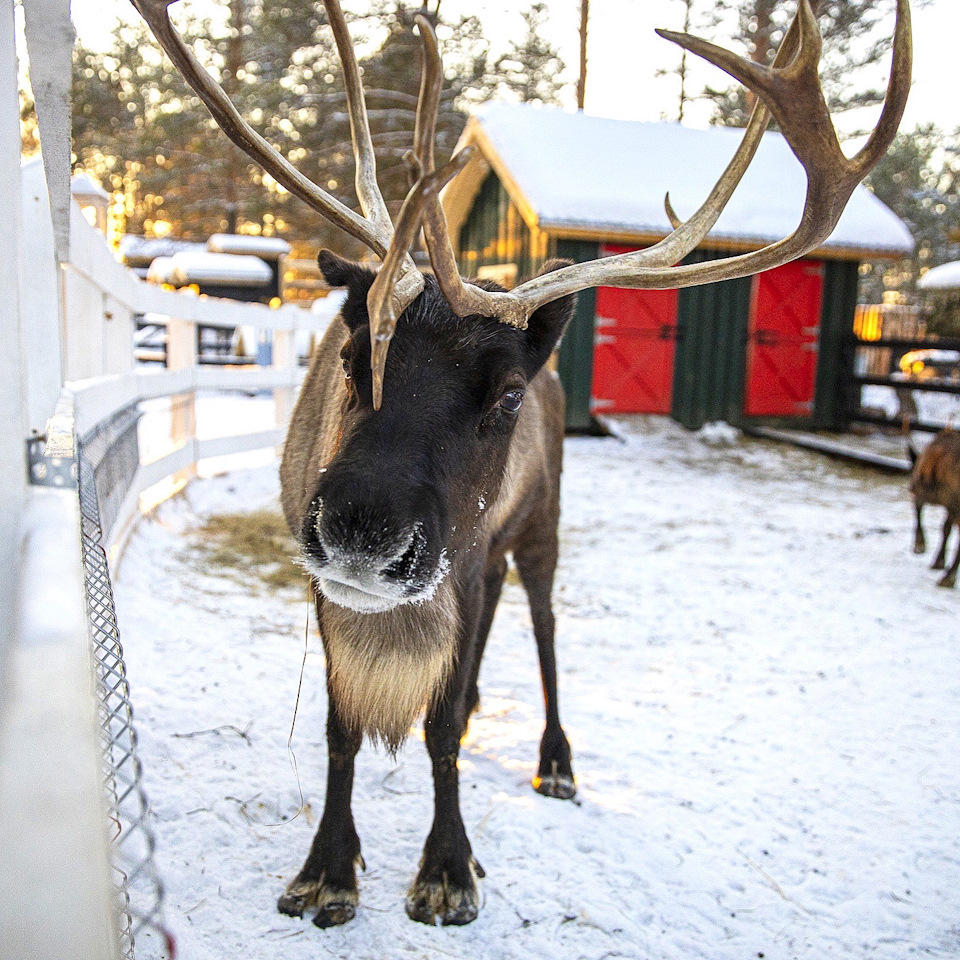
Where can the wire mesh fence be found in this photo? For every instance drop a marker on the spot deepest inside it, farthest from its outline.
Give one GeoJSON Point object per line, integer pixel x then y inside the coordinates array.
{"type": "Point", "coordinates": [139, 890]}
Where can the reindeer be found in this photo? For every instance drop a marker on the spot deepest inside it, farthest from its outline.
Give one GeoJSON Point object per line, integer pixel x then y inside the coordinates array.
{"type": "Point", "coordinates": [936, 480]}
{"type": "Point", "coordinates": [408, 483]}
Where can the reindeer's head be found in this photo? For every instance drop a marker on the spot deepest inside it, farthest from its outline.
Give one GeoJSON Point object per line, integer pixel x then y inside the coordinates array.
{"type": "Point", "coordinates": [409, 483]}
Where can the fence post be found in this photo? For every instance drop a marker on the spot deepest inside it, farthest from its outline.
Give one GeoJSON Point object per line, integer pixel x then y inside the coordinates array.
{"type": "Point", "coordinates": [13, 423]}
{"type": "Point", "coordinates": [41, 311]}
{"type": "Point", "coordinates": [285, 359]}
{"type": "Point", "coordinates": [182, 355]}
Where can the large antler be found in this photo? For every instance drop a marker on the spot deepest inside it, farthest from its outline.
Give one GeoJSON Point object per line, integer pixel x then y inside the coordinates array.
{"type": "Point", "coordinates": [374, 229]}
{"type": "Point", "coordinates": [790, 90]}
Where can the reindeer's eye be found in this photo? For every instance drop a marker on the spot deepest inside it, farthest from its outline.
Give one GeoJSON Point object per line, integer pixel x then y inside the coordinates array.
{"type": "Point", "coordinates": [346, 367]}
{"type": "Point", "coordinates": [511, 401]}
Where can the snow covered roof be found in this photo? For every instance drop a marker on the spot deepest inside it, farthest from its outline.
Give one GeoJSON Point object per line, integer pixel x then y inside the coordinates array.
{"type": "Point", "coordinates": [159, 270]}
{"type": "Point", "coordinates": [84, 185]}
{"type": "Point", "coordinates": [140, 251]}
{"type": "Point", "coordinates": [944, 277]}
{"type": "Point", "coordinates": [204, 267]}
{"type": "Point", "coordinates": [270, 248]}
{"type": "Point", "coordinates": [577, 175]}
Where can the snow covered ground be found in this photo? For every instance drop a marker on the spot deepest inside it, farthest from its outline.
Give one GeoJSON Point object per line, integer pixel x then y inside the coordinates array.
{"type": "Point", "coordinates": [761, 685]}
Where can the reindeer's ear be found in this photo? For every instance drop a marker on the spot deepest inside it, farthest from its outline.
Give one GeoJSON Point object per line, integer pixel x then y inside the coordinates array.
{"type": "Point", "coordinates": [547, 324]}
{"type": "Point", "coordinates": [356, 278]}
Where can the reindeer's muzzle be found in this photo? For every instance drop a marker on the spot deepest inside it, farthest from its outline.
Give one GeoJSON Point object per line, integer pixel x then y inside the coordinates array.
{"type": "Point", "coordinates": [363, 559]}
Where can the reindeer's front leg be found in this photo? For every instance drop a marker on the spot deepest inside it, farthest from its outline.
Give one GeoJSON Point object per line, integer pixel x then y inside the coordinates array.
{"type": "Point", "coordinates": [327, 881]}
{"type": "Point", "coordinates": [445, 890]}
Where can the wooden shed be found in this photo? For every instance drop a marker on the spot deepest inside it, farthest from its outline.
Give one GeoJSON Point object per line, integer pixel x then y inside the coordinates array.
{"type": "Point", "coordinates": [769, 348]}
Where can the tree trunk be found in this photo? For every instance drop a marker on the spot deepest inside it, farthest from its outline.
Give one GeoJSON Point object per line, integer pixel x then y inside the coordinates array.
{"type": "Point", "coordinates": [582, 81]}
{"type": "Point", "coordinates": [231, 82]}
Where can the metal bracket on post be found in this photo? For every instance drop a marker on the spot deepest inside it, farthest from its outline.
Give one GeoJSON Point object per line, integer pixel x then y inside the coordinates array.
{"type": "Point", "coordinates": [52, 457]}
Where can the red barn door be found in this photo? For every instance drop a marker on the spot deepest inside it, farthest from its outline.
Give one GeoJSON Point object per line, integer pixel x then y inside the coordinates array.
{"type": "Point", "coordinates": [634, 346]}
{"type": "Point", "coordinates": [783, 340]}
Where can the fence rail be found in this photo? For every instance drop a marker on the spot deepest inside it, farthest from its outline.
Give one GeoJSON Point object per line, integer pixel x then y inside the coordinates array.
{"type": "Point", "coordinates": [876, 362]}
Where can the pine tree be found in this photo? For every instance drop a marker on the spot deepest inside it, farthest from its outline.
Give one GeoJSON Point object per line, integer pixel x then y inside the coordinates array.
{"type": "Point", "coordinates": [919, 179]}
{"type": "Point", "coordinates": [142, 131]}
{"type": "Point", "coordinates": [857, 34]}
{"type": "Point", "coordinates": [694, 21]}
{"type": "Point", "coordinates": [531, 70]}
{"type": "Point", "coordinates": [139, 128]}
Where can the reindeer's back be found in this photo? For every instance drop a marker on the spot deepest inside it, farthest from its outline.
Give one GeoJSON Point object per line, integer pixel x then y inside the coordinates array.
{"type": "Point", "coordinates": [936, 475]}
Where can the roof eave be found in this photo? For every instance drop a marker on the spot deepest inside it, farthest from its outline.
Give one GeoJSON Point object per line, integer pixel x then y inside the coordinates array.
{"type": "Point", "coordinates": [628, 235]}
{"type": "Point", "coordinates": [458, 196]}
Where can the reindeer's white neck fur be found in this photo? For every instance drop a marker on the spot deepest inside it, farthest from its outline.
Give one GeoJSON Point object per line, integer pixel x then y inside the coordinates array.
{"type": "Point", "coordinates": [380, 686]}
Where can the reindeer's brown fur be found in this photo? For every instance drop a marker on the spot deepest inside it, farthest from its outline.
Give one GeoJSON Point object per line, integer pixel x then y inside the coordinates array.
{"type": "Point", "coordinates": [936, 481]}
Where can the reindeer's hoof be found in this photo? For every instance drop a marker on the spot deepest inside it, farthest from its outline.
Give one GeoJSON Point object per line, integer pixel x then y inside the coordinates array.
{"type": "Point", "coordinates": [555, 777]}
{"type": "Point", "coordinates": [292, 904]}
{"type": "Point", "coordinates": [556, 785]}
{"type": "Point", "coordinates": [938, 564]}
{"type": "Point", "coordinates": [435, 903]}
{"type": "Point", "coordinates": [441, 901]}
{"type": "Point", "coordinates": [334, 907]}
{"type": "Point", "coordinates": [947, 581]}
{"type": "Point", "coordinates": [336, 912]}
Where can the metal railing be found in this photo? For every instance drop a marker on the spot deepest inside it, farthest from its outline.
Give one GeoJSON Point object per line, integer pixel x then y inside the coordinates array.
{"type": "Point", "coordinates": [138, 890]}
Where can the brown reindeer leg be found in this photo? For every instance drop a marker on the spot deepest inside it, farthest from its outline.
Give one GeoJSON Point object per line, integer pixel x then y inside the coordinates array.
{"type": "Point", "coordinates": [328, 880]}
{"type": "Point", "coordinates": [445, 889]}
{"type": "Point", "coordinates": [919, 540]}
{"type": "Point", "coordinates": [492, 585]}
{"type": "Point", "coordinates": [536, 562]}
{"type": "Point", "coordinates": [941, 559]}
{"type": "Point", "coordinates": [949, 579]}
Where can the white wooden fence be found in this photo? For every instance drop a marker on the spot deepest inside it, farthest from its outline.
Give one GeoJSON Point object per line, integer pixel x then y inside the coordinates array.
{"type": "Point", "coordinates": [66, 365]}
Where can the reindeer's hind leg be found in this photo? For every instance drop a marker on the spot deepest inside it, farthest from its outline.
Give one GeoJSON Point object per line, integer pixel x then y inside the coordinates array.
{"type": "Point", "coordinates": [536, 558]}
{"type": "Point", "coordinates": [492, 586]}
{"type": "Point", "coordinates": [941, 559]}
{"type": "Point", "coordinates": [919, 540]}
{"type": "Point", "coordinates": [949, 579]}
{"type": "Point", "coordinates": [327, 882]}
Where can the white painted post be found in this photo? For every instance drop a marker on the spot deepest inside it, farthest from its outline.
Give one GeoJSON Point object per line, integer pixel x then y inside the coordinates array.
{"type": "Point", "coordinates": [13, 420]}
{"type": "Point", "coordinates": [284, 359]}
{"type": "Point", "coordinates": [41, 310]}
{"type": "Point", "coordinates": [53, 824]}
{"type": "Point", "coordinates": [182, 354]}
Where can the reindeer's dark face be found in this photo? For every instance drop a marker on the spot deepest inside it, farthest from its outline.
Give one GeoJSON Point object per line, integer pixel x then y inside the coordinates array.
{"type": "Point", "coordinates": [406, 489]}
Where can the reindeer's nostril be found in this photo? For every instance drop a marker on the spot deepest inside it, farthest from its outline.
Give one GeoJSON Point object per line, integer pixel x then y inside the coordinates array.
{"type": "Point", "coordinates": [312, 543]}
{"type": "Point", "coordinates": [315, 552]}
{"type": "Point", "coordinates": [404, 568]}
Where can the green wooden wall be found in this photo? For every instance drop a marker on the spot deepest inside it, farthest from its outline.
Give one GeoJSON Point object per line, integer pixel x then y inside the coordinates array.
{"type": "Point", "coordinates": [710, 361]}
{"type": "Point", "coordinates": [712, 329]}
{"type": "Point", "coordinates": [495, 233]}
{"type": "Point", "coordinates": [710, 365]}
{"type": "Point", "coordinates": [835, 361]}
{"type": "Point", "coordinates": [575, 363]}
